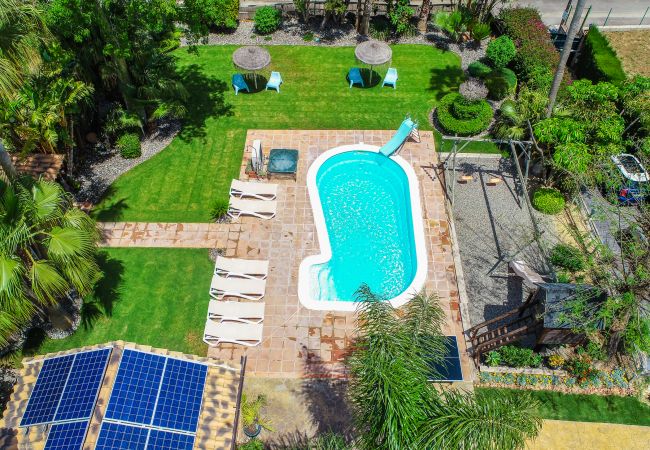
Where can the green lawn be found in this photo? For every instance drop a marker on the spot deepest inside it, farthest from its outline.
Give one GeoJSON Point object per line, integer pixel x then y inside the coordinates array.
{"type": "Point", "coordinates": [182, 182]}
{"type": "Point", "coordinates": [150, 296]}
{"type": "Point", "coordinates": [586, 408]}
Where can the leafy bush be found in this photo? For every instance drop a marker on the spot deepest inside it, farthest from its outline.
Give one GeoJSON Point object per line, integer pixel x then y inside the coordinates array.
{"type": "Point", "coordinates": [500, 51]}
{"type": "Point", "coordinates": [556, 361]}
{"type": "Point", "coordinates": [129, 145]}
{"type": "Point", "coordinates": [535, 50]}
{"type": "Point", "coordinates": [267, 19]}
{"type": "Point", "coordinates": [253, 444]}
{"type": "Point", "coordinates": [493, 358]}
{"type": "Point", "coordinates": [519, 357]}
{"type": "Point", "coordinates": [568, 257]}
{"type": "Point", "coordinates": [400, 17]}
{"type": "Point", "coordinates": [463, 126]}
{"type": "Point", "coordinates": [507, 75]}
{"type": "Point", "coordinates": [219, 210]}
{"type": "Point", "coordinates": [479, 30]}
{"type": "Point", "coordinates": [479, 70]}
{"type": "Point", "coordinates": [598, 61]}
{"type": "Point", "coordinates": [580, 368]}
{"type": "Point", "coordinates": [548, 200]}
{"type": "Point", "coordinates": [455, 24]}
{"type": "Point", "coordinates": [217, 13]}
{"type": "Point", "coordinates": [498, 87]}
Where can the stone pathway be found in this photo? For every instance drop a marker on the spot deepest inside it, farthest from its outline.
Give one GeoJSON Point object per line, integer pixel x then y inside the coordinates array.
{"type": "Point", "coordinates": [559, 435]}
{"type": "Point", "coordinates": [178, 235]}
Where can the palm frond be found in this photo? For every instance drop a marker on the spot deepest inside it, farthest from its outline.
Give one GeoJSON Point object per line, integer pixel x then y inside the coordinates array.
{"type": "Point", "coordinates": [46, 282]}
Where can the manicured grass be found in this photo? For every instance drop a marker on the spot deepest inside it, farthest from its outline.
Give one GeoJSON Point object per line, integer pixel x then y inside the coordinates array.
{"type": "Point", "coordinates": [586, 408]}
{"type": "Point", "coordinates": [471, 147]}
{"type": "Point", "coordinates": [156, 297]}
{"type": "Point", "coordinates": [182, 182]}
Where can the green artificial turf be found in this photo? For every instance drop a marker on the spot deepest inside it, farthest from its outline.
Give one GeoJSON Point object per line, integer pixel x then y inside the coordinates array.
{"type": "Point", "coordinates": [181, 183]}
{"type": "Point", "coordinates": [585, 408]}
{"type": "Point", "coordinates": [150, 296]}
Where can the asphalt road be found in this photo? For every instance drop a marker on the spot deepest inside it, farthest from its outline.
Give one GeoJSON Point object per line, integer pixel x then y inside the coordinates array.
{"type": "Point", "coordinates": [624, 12]}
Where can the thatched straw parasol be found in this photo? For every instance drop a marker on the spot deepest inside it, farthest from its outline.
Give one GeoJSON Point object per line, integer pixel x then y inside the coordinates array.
{"type": "Point", "coordinates": [251, 59]}
{"type": "Point", "coordinates": [373, 53]}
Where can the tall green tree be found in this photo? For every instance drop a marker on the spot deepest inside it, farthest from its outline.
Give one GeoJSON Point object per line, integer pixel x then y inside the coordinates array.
{"type": "Point", "coordinates": [396, 407]}
{"type": "Point", "coordinates": [47, 249]}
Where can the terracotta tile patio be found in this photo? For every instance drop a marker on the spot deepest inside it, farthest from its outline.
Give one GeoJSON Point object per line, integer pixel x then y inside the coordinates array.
{"type": "Point", "coordinates": [300, 342]}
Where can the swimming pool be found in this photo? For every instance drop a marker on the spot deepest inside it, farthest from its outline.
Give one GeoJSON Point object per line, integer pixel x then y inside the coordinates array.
{"type": "Point", "coordinates": [369, 223]}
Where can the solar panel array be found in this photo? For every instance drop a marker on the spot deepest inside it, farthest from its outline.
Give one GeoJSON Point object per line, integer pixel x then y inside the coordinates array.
{"type": "Point", "coordinates": [155, 403]}
{"type": "Point", "coordinates": [64, 395]}
{"type": "Point", "coordinates": [449, 368]}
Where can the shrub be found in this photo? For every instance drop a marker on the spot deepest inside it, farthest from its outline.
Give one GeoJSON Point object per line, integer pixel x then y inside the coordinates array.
{"type": "Point", "coordinates": [447, 111]}
{"type": "Point", "coordinates": [129, 145]}
{"type": "Point", "coordinates": [219, 210]}
{"type": "Point", "coordinates": [567, 257]}
{"type": "Point", "coordinates": [548, 200]}
{"type": "Point", "coordinates": [253, 444]}
{"type": "Point", "coordinates": [493, 358]}
{"type": "Point", "coordinates": [267, 19]}
{"type": "Point", "coordinates": [217, 13]}
{"type": "Point", "coordinates": [498, 87]}
{"type": "Point", "coordinates": [479, 30]}
{"type": "Point", "coordinates": [507, 75]}
{"type": "Point", "coordinates": [580, 368]}
{"type": "Point", "coordinates": [556, 361]}
{"type": "Point", "coordinates": [500, 51]}
{"type": "Point", "coordinates": [598, 61]}
{"type": "Point", "coordinates": [479, 70]}
{"type": "Point", "coordinates": [520, 357]}
{"type": "Point", "coordinates": [535, 50]}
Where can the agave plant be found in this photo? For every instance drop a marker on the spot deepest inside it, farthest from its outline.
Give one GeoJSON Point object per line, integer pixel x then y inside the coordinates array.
{"type": "Point", "coordinates": [47, 249]}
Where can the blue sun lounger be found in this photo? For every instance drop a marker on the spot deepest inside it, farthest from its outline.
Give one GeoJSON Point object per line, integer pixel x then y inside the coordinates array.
{"type": "Point", "coordinates": [239, 83]}
{"type": "Point", "coordinates": [398, 139]}
{"type": "Point", "coordinates": [354, 75]}
{"type": "Point", "coordinates": [390, 78]}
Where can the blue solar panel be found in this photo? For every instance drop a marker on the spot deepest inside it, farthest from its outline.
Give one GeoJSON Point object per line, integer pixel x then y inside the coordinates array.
{"type": "Point", "coordinates": [117, 436]}
{"type": "Point", "coordinates": [67, 436]}
{"type": "Point", "coordinates": [164, 440]}
{"type": "Point", "coordinates": [47, 391]}
{"type": "Point", "coordinates": [181, 392]}
{"type": "Point", "coordinates": [136, 387]}
{"type": "Point", "coordinates": [449, 369]}
{"type": "Point", "coordinates": [83, 385]}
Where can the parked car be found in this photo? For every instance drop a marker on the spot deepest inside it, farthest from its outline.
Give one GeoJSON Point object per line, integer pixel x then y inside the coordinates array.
{"type": "Point", "coordinates": [635, 181]}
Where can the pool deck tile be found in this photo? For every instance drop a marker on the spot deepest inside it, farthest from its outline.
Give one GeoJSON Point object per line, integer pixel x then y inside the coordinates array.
{"type": "Point", "coordinates": [298, 342]}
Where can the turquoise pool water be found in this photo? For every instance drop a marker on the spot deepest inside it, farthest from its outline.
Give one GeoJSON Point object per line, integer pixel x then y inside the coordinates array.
{"type": "Point", "coordinates": [367, 209]}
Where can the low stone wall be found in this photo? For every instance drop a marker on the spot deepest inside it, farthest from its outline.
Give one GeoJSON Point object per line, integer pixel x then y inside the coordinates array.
{"type": "Point", "coordinates": [526, 370]}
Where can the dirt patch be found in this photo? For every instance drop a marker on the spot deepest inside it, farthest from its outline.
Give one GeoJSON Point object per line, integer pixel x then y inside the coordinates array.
{"type": "Point", "coordinates": [633, 49]}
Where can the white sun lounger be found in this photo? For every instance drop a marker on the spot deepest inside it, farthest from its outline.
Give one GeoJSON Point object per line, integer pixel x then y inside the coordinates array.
{"type": "Point", "coordinates": [261, 191]}
{"type": "Point", "coordinates": [249, 334]}
{"type": "Point", "coordinates": [236, 311]}
{"type": "Point", "coordinates": [248, 288]}
{"type": "Point", "coordinates": [264, 209]}
{"type": "Point", "coordinates": [243, 268]}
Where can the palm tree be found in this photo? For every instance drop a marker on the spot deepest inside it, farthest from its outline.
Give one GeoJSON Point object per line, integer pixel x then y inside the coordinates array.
{"type": "Point", "coordinates": [396, 407]}
{"type": "Point", "coordinates": [47, 250]}
{"type": "Point", "coordinates": [22, 34]}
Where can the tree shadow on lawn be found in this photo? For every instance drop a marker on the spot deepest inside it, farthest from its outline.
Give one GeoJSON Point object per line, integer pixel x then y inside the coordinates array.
{"type": "Point", "coordinates": [206, 100]}
{"type": "Point", "coordinates": [112, 213]}
{"type": "Point", "coordinates": [445, 80]}
{"type": "Point", "coordinates": [107, 291]}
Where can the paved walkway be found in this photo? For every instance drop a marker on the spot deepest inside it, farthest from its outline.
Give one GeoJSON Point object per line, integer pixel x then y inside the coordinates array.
{"type": "Point", "coordinates": [180, 235]}
{"type": "Point", "coordinates": [559, 435]}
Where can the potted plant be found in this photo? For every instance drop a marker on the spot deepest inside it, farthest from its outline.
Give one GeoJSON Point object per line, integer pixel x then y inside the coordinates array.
{"type": "Point", "coordinates": [250, 170]}
{"type": "Point", "coordinates": [251, 418]}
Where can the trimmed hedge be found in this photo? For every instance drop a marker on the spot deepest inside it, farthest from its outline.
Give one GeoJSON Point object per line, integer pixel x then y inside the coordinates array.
{"type": "Point", "coordinates": [479, 70]}
{"type": "Point", "coordinates": [500, 51]}
{"type": "Point", "coordinates": [507, 75]}
{"type": "Point", "coordinates": [498, 87]}
{"type": "Point", "coordinates": [129, 145]}
{"type": "Point", "coordinates": [460, 116]}
{"type": "Point", "coordinates": [535, 49]}
{"type": "Point", "coordinates": [267, 19]}
{"type": "Point", "coordinates": [548, 200]}
{"type": "Point", "coordinates": [598, 61]}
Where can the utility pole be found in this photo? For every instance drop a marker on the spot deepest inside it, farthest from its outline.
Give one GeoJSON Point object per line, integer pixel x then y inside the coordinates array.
{"type": "Point", "coordinates": [566, 51]}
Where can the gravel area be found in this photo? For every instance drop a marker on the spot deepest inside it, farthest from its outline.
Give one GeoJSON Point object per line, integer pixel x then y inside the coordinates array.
{"type": "Point", "coordinates": [292, 32]}
{"type": "Point", "coordinates": [106, 164]}
{"type": "Point", "coordinates": [493, 226]}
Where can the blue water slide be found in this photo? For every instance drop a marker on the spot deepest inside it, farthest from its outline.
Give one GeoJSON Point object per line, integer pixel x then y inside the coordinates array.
{"type": "Point", "coordinates": [399, 137]}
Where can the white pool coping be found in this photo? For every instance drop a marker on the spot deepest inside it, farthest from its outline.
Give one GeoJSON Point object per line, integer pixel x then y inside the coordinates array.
{"type": "Point", "coordinates": [323, 237]}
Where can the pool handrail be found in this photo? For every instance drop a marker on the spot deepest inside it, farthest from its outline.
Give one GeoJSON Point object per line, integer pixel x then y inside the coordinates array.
{"type": "Point", "coordinates": [398, 139]}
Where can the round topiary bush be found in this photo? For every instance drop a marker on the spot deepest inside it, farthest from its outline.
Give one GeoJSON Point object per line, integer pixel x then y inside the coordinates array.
{"type": "Point", "coordinates": [548, 200]}
{"type": "Point", "coordinates": [568, 257]}
{"type": "Point", "coordinates": [463, 117]}
{"type": "Point", "coordinates": [267, 19]}
{"type": "Point", "coordinates": [129, 145]}
{"type": "Point", "coordinates": [507, 75]}
{"type": "Point", "coordinates": [479, 70]}
{"type": "Point", "coordinates": [500, 51]}
{"type": "Point", "coordinates": [498, 87]}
